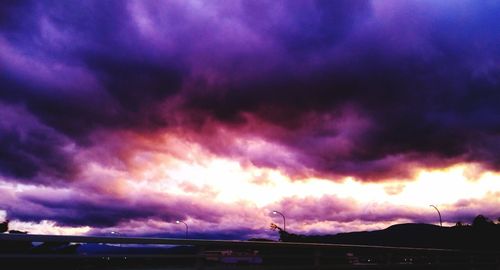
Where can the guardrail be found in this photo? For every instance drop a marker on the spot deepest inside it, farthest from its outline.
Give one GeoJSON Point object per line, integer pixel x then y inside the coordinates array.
{"type": "Point", "coordinates": [273, 255]}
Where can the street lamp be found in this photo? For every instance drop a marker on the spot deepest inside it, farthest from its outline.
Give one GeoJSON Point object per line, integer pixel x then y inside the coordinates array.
{"type": "Point", "coordinates": [439, 213]}
{"type": "Point", "coordinates": [187, 228]}
{"type": "Point", "coordinates": [284, 219]}
{"type": "Point", "coordinates": [117, 234]}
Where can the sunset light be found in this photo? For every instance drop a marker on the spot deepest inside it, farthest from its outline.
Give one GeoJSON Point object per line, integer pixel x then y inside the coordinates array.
{"type": "Point", "coordinates": [214, 119]}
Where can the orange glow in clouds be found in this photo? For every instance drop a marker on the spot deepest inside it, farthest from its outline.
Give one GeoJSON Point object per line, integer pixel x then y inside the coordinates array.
{"type": "Point", "coordinates": [227, 181]}
{"type": "Point", "coordinates": [247, 193]}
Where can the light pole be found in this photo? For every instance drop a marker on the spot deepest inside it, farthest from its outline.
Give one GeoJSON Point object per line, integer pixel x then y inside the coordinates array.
{"type": "Point", "coordinates": [439, 213]}
{"type": "Point", "coordinates": [284, 219]}
{"type": "Point", "coordinates": [187, 228]}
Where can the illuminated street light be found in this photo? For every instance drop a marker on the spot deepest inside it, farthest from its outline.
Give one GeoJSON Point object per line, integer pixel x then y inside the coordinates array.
{"type": "Point", "coordinates": [187, 228]}
{"type": "Point", "coordinates": [284, 219]}
{"type": "Point", "coordinates": [439, 213]}
{"type": "Point", "coordinates": [116, 234]}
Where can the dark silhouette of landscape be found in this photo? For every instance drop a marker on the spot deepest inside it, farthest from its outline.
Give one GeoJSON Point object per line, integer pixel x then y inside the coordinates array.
{"type": "Point", "coordinates": [482, 234]}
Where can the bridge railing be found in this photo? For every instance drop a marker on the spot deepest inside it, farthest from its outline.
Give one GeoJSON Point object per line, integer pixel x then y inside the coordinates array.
{"type": "Point", "coordinates": [268, 254]}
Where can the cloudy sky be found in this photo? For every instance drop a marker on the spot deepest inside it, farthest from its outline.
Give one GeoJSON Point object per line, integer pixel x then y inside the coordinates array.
{"type": "Point", "coordinates": [343, 115]}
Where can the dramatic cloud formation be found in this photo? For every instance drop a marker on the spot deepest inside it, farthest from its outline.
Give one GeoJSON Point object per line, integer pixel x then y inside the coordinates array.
{"type": "Point", "coordinates": [132, 114]}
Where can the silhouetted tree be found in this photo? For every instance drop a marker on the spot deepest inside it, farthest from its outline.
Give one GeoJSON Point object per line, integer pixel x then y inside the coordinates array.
{"type": "Point", "coordinates": [289, 237]}
{"type": "Point", "coordinates": [275, 227]}
{"type": "Point", "coordinates": [481, 222]}
{"type": "Point", "coordinates": [4, 226]}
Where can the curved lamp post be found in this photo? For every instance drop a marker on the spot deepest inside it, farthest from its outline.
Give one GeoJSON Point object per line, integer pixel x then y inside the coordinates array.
{"type": "Point", "coordinates": [439, 213]}
{"type": "Point", "coordinates": [284, 219]}
{"type": "Point", "coordinates": [187, 228]}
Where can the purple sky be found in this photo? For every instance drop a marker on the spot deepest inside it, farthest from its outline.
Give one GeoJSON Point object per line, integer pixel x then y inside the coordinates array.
{"type": "Point", "coordinates": [345, 115]}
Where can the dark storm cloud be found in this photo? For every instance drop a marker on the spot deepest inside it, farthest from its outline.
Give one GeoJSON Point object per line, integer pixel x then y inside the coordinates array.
{"type": "Point", "coordinates": [79, 208]}
{"type": "Point", "coordinates": [306, 25]}
{"type": "Point", "coordinates": [32, 151]}
{"type": "Point", "coordinates": [71, 65]}
{"type": "Point", "coordinates": [427, 83]}
{"type": "Point", "coordinates": [36, 152]}
{"type": "Point", "coordinates": [421, 77]}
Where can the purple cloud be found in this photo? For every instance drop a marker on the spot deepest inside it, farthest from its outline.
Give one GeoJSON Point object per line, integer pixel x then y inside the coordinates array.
{"type": "Point", "coordinates": [368, 89]}
{"type": "Point", "coordinates": [423, 82]}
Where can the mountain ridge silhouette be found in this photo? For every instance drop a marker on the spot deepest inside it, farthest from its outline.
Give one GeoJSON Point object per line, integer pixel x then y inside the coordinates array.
{"type": "Point", "coordinates": [484, 236]}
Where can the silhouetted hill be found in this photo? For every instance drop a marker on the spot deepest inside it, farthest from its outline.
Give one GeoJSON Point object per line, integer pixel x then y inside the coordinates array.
{"type": "Point", "coordinates": [413, 235]}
